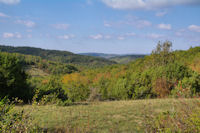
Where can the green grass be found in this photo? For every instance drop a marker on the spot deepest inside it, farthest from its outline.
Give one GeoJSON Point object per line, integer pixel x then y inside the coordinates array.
{"type": "Point", "coordinates": [116, 116]}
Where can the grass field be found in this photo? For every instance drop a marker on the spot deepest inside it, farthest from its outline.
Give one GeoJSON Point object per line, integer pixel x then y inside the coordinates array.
{"type": "Point", "coordinates": [113, 116]}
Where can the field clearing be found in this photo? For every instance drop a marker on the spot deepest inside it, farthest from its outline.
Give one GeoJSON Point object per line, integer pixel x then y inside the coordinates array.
{"type": "Point", "coordinates": [113, 116]}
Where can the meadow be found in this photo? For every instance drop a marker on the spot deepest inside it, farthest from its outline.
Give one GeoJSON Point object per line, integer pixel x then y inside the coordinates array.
{"type": "Point", "coordinates": [113, 116]}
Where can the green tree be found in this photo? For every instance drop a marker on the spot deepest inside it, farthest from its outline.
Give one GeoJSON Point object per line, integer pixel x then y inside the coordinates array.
{"type": "Point", "coordinates": [13, 79]}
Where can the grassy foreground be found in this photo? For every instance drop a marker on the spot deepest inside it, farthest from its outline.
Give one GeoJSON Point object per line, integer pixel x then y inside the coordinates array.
{"type": "Point", "coordinates": [115, 116]}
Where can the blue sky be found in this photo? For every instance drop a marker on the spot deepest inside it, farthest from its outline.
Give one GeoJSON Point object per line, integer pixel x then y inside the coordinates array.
{"type": "Point", "coordinates": [105, 26]}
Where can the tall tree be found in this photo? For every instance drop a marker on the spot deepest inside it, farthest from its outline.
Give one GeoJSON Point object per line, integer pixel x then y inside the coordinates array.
{"type": "Point", "coordinates": [13, 79]}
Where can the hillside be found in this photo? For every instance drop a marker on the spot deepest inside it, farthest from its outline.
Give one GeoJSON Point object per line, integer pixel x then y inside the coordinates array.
{"type": "Point", "coordinates": [126, 58]}
{"type": "Point", "coordinates": [161, 74]}
{"type": "Point", "coordinates": [58, 56]}
{"type": "Point", "coordinates": [37, 67]}
{"type": "Point", "coordinates": [118, 116]}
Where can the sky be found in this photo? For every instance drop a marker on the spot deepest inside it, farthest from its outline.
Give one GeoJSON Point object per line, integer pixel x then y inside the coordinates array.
{"type": "Point", "coordinates": [103, 26]}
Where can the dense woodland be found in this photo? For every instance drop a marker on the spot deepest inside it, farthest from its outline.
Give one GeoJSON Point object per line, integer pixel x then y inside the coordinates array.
{"type": "Point", "coordinates": [164, 73]}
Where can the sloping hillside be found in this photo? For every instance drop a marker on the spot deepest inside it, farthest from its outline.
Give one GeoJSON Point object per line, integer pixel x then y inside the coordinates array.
{"type": "Point", "coordinates": [58, 56]}
{"type": "Point", "coordinates": [161, 74]}
{"type": "Point", "coordinates": [126, 58]}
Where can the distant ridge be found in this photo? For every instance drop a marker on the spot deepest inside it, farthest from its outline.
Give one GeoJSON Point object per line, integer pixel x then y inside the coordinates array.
{"type": "Point", "coordinates": [58, 56]}
{"type": "Point", "coordinates": [103, 55]}
{"type": "Point", "coordinates": [119, 58]}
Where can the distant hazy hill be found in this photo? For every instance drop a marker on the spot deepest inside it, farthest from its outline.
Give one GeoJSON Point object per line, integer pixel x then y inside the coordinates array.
{"type": "Point", "coordinates": [126, 58]}
{"type": "Point", "coordinates": [58, 56]}
{"type": "Point", "coordinates": [122, 59]}
{"type": "Point", "coordinates": [103, 55]}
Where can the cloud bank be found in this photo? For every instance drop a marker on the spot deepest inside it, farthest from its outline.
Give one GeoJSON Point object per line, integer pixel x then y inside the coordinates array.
{"type": "Point", "coordinates": [147, 4]}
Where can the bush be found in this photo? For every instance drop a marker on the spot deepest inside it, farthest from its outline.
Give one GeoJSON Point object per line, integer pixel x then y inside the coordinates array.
{"type": "Point", "coordinates": [11, 121]}
{"type": "Point", "coordinates": [50, 92]}
{"type": "Point", "coordinates": [185, 120]}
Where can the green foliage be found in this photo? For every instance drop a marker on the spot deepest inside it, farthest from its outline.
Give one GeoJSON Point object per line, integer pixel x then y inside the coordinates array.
{"type": "Point", "coordinates": [162, 74]}
{"type": "Point", "coordinates": [50, 92]}
{"type": "Point", "coordinates": [126, 58]}
{"type": "Point", "coordinates": [185, 120]}
{"type": "Point", "coordinates": [77, 92]}
{"type": "Point", "coordinates": [12, 121]}
{"type": "Point", "coordinates": [188, 86]}
{"type": "Point", "coordinates": [159, 75]}
{"type": "Point", "coordinates": [13, 79]}
{"type": "Point", "coordinates": [58, 56]}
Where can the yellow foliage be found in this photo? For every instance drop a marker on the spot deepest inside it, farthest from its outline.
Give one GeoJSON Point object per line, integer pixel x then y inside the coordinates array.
{"type": "Point", "coordinates": [75, 77]}
{"type": "Point", "coordinates": [45, 81]}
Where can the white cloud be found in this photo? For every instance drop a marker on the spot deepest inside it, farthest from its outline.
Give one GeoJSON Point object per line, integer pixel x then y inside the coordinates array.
{"type": "Point", "coordinates": [136, 22]}
{"type": "Point", "coordinates": [165, 26]}
{"type": "Point", "coordinates": [106, 24]}
{"type": "Point", "coordinates": [194, 28]}
{"type": "Point", "coordinates": [112, 36]}
{"type": "Point", "coordinates": [8, 35]}
{"type": "Point", "coordinates": [27, 23]}
{"type": "Point", "coordinates": [66, 37]}
{"type": "Point", "coordinates": [130, 34]}
{"type": "Point", "coordinates": [61, 26]}
{"type": "Point", "coordinates": [147, 4]}
{"type": "Point", "coordinates": [10, 2]}
{"type": "Point", "coordinates": [121, 38]}
{"type": "Point", "coordinates": [3, 15]}
{"type": "Point", "coordinates": [130, 21]}
{"type": "Point", "coordinates": [12, 35]}
{"type": "Point", "coordinates": [98, 36]}
{"type": "Point", "coordinates": [160, 14]}
{"type": "Point", "coordinates": [154, 36]}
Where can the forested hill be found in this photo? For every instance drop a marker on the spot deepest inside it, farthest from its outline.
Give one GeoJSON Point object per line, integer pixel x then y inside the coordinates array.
{"type": "Point", "coordinates": [58, 56]}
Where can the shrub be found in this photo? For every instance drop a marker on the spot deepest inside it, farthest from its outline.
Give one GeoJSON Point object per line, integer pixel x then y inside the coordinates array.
{"type": "Point", "coordinates": [50, 92]}
{"type": "Point", "coordinates": [184, 120]}
{"type": "Point", "coordinates": [11, 121]}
